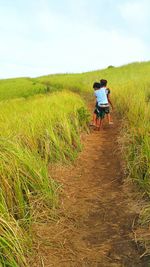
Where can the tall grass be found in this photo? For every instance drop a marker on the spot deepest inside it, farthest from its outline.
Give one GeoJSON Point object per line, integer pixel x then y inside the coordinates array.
{"type": "Point", "coordinates": [132, 100]}
{"type": "Point", "coordinates": [48, 125]}
{"type": "Point", "coordinates": [134, 108]}
{"type": "Point", "coordinates": [34, 132]}
{"type": "Point", "coordinates": [14, 241]}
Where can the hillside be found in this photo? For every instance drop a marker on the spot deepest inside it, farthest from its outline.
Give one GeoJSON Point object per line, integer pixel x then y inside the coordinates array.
{"type": "Point", "coordinates": [118, 77]}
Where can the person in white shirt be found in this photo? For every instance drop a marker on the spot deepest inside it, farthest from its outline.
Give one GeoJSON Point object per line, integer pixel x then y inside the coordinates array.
{"type": "Point", "coordinates": [102, 103]}
{"type": "Point", "coordinates": [104, 82]}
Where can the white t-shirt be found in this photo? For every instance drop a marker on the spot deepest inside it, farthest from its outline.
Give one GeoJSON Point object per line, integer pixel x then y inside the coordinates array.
{"type": "Point", "coordinates": [101, 96]}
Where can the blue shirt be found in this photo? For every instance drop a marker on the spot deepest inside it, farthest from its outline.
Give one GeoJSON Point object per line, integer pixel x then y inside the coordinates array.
{"type": "Point", "coordinates": [101, 96]}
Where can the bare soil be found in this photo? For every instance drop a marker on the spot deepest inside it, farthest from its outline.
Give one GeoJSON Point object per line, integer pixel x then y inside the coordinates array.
{"type": "Point", "coordinates": [95, 216]}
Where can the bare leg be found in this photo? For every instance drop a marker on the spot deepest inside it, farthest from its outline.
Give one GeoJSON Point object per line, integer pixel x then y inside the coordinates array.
{"type": "Point", "coordinates": [109, 119]}
{"type": "Point", "coordinates": [94, 119]}
{"type": "Point", "coordinates": [99, 124]}
{"type": "Point", "coordinates": [93, 122]}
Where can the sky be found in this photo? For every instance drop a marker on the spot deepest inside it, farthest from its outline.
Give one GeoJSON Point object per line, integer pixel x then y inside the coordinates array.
{"type": "Point", "coordinates": [40, 37]}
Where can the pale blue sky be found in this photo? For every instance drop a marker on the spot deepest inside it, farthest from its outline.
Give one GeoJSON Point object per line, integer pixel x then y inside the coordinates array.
{"type": "Point", "coordinates": [39, 37]}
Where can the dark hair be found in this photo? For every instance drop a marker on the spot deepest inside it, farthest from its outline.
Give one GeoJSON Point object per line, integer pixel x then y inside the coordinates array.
{"type": "Point", "coordinates": [96, 85]}
{"type": "Point", "coordinates": [103, 82]}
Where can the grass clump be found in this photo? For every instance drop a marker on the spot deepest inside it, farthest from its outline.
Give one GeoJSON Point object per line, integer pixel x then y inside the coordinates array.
{"type": "Point", "coordinates": [51, 127]}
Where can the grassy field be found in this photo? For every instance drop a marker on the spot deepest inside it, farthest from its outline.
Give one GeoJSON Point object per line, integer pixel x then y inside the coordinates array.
{"type": "Point", "coordinates": [41, 121]}
{"type": "Point", "coordinates": [20, 87]}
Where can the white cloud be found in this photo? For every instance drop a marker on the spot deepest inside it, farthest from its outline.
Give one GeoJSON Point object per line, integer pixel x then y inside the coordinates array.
{"type": "Point", "coordinates": [136, 12]}
{"type": "Point", "coordinates": [85, 49]}
{"type": "Point", "coordinates": [9, 70]}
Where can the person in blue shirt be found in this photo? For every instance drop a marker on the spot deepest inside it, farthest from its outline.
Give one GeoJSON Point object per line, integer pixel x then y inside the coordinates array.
{"type": "Point", "coordinates": [102, 103]}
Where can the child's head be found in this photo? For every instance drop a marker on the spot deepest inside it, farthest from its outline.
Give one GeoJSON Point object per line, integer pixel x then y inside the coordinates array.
{"type": "Point", "coordinates": [103, 82]}
{"type": "Point", "coordinates": [96, 86]}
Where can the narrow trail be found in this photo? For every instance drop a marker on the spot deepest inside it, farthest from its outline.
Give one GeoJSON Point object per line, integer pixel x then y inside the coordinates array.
{"type": "Point", "coordinates": [94, 228]}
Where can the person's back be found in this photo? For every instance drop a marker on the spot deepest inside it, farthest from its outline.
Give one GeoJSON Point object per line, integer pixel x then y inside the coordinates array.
{"type": "Point", "coordinates": [101, 96]}
{"type": "Point", "coordinates": [107, 110]}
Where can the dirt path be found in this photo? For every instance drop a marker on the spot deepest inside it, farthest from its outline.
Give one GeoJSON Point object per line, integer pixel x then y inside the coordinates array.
{"type": "Point", "coordinates": [94, 228]}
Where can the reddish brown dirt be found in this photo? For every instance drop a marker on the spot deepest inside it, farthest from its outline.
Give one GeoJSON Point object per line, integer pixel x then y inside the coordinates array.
{"type": "Point", "coordinates": [94, 228]}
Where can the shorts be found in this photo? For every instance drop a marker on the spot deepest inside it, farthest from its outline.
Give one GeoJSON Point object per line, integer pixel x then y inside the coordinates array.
{"type": "Point", "coordinates": [101, 111]}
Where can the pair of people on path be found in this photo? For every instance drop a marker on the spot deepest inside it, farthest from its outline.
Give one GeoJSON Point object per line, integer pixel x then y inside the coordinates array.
{"type": "Point", "coordinates": [103, 102]}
